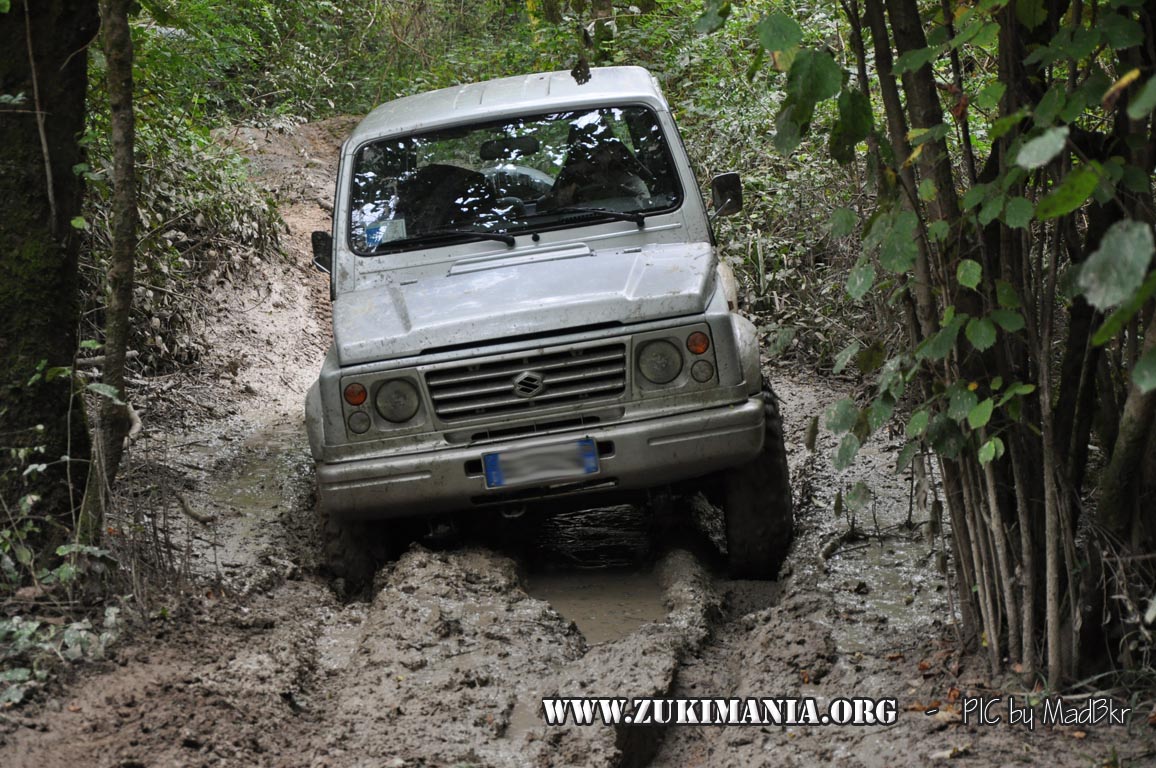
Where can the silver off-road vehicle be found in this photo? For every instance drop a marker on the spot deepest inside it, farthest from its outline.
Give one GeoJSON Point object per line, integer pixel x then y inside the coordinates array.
{"type": "Point", "coordinates": [527, 305]}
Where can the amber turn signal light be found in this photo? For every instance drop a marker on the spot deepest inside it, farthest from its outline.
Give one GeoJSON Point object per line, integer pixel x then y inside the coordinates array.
{"type": "Point", "coordinates": [698, 342]}
{"type": "Point", "coordinates": [355, 394]}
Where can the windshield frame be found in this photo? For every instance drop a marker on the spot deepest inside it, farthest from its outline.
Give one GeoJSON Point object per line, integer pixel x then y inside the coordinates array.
{"type": "Point", "coordinates": [540, 222]}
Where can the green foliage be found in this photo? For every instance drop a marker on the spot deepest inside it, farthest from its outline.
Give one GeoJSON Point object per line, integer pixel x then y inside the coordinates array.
{"type": "Point", "coordinates": [1113, 272]}
{"type": "Point", "coordinates": [779, 32]}
{"type": "Point", "coordinates": [1043, 149]}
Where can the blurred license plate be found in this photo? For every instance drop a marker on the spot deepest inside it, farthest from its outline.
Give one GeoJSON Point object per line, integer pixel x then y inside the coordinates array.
{"type": "Point", "coordinates": [549, 462]}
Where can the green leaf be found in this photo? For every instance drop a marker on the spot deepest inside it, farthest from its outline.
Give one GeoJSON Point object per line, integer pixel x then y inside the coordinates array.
{"type": "Point", "coordinates": [945, 436]}
{"type": "Point", "coordinates": [841, 416]}
{"type": "Point", "coordinates": [1144, 101]}
{"type": "Point", "coordinates": [1144, 374]}
{"type": "Point", "coordinates": [814, 77]}
{"type": "Point", "coordinates": [1018, 212]}
{"type": "Point", "coordinates": [1073, 192]}
{"type": "Point", "coordinates": [713, 18]}
{"type": "Point", "coordinates": [1118, 319]}
{"type": "Point", "coordinates": [938, 230]}
{"type": "Point", "coordinates": [1042, 149]}
{"type": "Point", "coordinates": [1005, 124]}
{"type": "Point", "coordinates": [788, 131]}
{"type": "Point", "coordinates": [939, 345]}
{"type": "Point", "coordinates": [5, 6]}
{"type": "Point", "coordinates": [1008, 319]}
{"type": "Point", "coordinates": [778, 341]}
{"type": "Point", "coordinates": [1119, 31]}
{"type": "Point", "coordinates": [1031, 13]}
{"type": "Point", "coordinates": [858, 497]}
{"type": "Point", "coordinates": [778, 32]}
{"type": "Point", "coordinates": [90, 344]}
{"type": "Point", "coordinates": [79, 222]}
{"type": "Point", "coordinates": [879, 412]}
{"type": "Point", "coordinates": [981, 333]}
{"type": "Point", "coordinates": [871, 358]}
{"type": "Point", "coordinates": [845, 356]}
{"type": "Point", "coordinates": [854, 124]}
{"type": "Point", "coordinates": [1017, 389]}
{"type": "Point", "coordinates": [104, 390]}
{"type": "Point", "coordinates": [989, 97]}
{"type": "Point", "coordinates": [919, 136]}
{"type": "Point", "coordinates": [1050, 106]}
{"type": "Point", "coordinates": [991, 450]}
{"type": "Point", "coordinates": [860, 279]}
{"type": "Point", "coordinates": [845, 453]}
{"type": "Point", "coordinates": [991, 210]}
{"type": "Point", "coordinates": [917, 424]}
{"type": "Point", "coordinates": [927, 190]}
{"type": "Point", "coordinates": [960, 401]}
{"type": "Point", "coordinates": [975, 196]}
{"type": "Point", "coordinates": [1135, 179]}
{"type": "Point", "coordinates": [1118, 266]}
{"type": "Point", "coordinates": [969, 273]}
{"type": "Point", "coordinates": [894, 234]}
{"type": "Point", "coordinates": [905, 456]}
{"type": "Point", "coordinates": [1006, 295]}
{"type": "Point", "coordinates": [23, 554]}
{"type": "Point", "coordinates": [981, 414]}
{"type": "Point", "coordinates": [843, 222]}
{"type": "Point", "coordinates": [913, 61]}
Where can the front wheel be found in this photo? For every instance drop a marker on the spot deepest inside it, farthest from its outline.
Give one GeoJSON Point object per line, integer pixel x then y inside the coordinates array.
{"type": "Point", "coordinates": [348, 553]}
{"type": "Point", "coordinates": [756, 502]}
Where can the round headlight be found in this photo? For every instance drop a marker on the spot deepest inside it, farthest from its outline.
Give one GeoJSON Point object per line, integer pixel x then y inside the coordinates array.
{"type": "Point", "coordinates": [397, 401]}
{"type": "Point", "coordinates": [660, 362]}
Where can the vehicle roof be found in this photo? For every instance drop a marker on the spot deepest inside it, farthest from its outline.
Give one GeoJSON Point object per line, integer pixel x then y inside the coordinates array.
{"type": "Point", "coordinates": [541, 92]}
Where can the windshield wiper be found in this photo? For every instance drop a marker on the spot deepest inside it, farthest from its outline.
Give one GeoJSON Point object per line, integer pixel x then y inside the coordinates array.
{"type": "Point", "coordinates": [635, 216]}
{"type": "Point", "coordinates": [435, 234]}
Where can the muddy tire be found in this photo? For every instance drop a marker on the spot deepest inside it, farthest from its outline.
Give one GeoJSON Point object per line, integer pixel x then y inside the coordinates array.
{"type": "Point", "coordinates": [348, 553]}
{"type": "Point", "coordinates": [756, 502]}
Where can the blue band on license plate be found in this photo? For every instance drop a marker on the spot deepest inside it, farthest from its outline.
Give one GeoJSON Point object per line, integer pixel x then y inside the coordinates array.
{"type": "Point", "coordinates": [545, 463]}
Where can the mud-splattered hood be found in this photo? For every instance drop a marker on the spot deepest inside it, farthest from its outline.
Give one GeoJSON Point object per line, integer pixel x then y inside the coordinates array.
{"type": "Point", "coordinates": [477, 300]}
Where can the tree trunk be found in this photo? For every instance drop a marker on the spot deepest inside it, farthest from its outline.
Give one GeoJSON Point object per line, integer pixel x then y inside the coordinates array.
{"type": "Point", "coordinates": [40, 195]}
{"type": "Point", "coordinates": [113, 425]}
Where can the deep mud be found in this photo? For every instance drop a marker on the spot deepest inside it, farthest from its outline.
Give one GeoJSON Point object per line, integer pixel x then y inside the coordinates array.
{"type": "Point", "coordinates": [256, 662]}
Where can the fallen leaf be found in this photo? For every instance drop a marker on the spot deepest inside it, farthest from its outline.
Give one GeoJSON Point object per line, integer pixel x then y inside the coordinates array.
{"type": "Point", "coordinates": [924, 666]}
{"type": "Point", "coordinates": [1078, 735]}
{"type": "Point", "coordinates": [73, 707]}
{"type": "Point", "coordinates": [953, 694]}
{"type": "Point", "coordinates": [948, 754]}
{"type": "Point", "coordinates": [895, 657]}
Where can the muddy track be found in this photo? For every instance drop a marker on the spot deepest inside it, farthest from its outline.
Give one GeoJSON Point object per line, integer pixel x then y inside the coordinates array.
{"type": "Point", "coordinates": [256, 661]}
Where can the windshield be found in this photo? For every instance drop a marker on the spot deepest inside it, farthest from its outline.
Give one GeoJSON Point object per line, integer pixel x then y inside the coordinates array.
{"type": "Point", "coordinates": [511, 176]}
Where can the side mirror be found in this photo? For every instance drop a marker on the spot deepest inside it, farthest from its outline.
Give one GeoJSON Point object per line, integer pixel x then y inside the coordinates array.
{"type": "Point", "coordinates": [323, 251]}
{"type": "Point", "coordinates": [726, 191]}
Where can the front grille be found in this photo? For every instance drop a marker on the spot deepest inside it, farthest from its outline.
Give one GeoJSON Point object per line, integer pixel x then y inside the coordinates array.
{"type": "Point", "coordinates": [529, 383]}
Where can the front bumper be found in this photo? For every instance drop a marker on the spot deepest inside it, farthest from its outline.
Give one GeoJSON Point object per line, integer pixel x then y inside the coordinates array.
{"type": "Point", "coordinates": [632, 456]}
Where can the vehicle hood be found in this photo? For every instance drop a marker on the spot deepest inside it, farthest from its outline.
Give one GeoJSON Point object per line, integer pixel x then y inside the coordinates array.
{"type": "Point", "coordinates": [485, 299]}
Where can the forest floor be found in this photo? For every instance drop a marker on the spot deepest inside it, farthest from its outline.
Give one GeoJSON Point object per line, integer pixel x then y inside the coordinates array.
{"type": "Point", "coordinates": [255, 660]}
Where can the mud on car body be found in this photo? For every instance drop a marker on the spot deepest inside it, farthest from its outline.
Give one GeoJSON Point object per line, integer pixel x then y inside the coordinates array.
{"type": "Point", "coordinates": [527, 305]}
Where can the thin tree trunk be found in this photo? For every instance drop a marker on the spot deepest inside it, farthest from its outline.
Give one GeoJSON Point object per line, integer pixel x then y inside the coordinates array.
{"type": "Point", "coordinates": [114, 423]}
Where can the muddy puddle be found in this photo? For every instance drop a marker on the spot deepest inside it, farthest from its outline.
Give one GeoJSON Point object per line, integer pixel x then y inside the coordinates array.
{"type": "Point", "coordinates": [594, 567]}
{"type": "Point", "coordinates": [606, 605]}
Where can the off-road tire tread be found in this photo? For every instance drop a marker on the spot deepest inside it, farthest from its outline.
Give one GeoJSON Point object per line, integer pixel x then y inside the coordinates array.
{"type": "Point", "coordinates": [756, 501]}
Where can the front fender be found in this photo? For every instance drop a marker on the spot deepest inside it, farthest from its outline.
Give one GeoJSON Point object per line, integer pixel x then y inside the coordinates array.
{"type": "Point", "coordinates": [315, 420]}
{"type": "Point", "coordinates": [747, 340]}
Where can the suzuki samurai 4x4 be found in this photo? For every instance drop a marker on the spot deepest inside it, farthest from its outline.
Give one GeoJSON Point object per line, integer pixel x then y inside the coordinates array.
{"type": "Point", "coordinates": [527, 305]}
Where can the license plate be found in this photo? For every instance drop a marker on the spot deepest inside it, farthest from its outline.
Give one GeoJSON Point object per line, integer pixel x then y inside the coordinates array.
{"type": "Point", "coordinates": [534, 465]}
